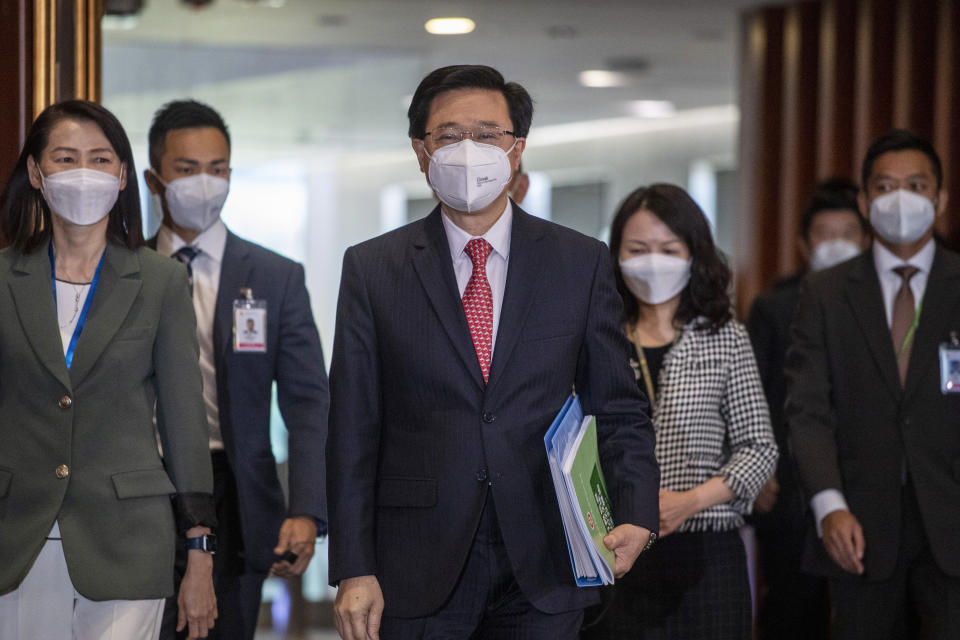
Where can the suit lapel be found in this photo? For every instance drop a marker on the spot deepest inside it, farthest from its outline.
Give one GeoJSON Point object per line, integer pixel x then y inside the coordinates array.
{"type": "Point", "coordinates": [431, 261]}
{"type": "Point", "coordinates": [528, 256]}
{"type": "Point", "coordinates": [116, 290]}
{"type": "Point", "coordinates": [32, 292]}
{"type": "Point", "coordinates": [940, 301]}
{"type": "Point", "coordinates": [234, 274]}
{"type": "Point", "coordinates": [866, 299]}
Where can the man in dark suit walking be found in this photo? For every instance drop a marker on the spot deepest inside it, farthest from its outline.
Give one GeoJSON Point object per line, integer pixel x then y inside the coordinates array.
{"type": "Point", "coordinates": [255, 327]}
{"type": "Point", "coordinates": [876, 442]}
{"type": "Point", "coordinates": [795, 603]}
{"type": "Point", "coordinates": [458, 339]}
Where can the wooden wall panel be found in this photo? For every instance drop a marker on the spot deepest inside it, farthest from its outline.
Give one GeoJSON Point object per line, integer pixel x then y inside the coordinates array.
{"type": "Point", "coordinates": [849, 70]}
{"type": "Point", "coordinates": [797, 164]}
{"type": "Point", "coordinates": [835, 134]}
{"type": "Point", "coordinates": [873, 81]}
{"type": "Point", "coordinates": [946, 136]}
{"type": "Point", "coordinates": [16, 78]}
{"type": "Point", "coordinates": [761, 105]}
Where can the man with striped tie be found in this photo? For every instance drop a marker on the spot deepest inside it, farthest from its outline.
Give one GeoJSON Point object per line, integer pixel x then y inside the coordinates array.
{"type": "Point", "coordinates": [235, 283]}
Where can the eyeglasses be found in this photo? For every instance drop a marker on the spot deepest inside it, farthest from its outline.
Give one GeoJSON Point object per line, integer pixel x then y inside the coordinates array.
{"type": "Point", "coordinates": [485, 134]}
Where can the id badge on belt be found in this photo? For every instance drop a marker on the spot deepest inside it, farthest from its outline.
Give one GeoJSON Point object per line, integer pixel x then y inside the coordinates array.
{"type": "Point", "coordinates": [249, 324]}
{"type": "Point", "coordinates": [950, 365]}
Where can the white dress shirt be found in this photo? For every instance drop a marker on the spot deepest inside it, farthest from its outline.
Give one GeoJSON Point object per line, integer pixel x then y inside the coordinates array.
{"type": "Point", "coordinates": [829, 500]}
{"type": "Point", "coordinates": [206, 282]}
{"type": "Point", "coordinates": [499, 238]}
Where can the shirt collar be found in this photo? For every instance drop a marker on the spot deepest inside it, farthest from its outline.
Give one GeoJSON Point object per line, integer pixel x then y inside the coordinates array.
{"type": "Point", "coordinates": [498, 235]}
{"type": "Point", "coordinates": [885, 261]}
{"type": "Point", "coordinates": [211, 242]}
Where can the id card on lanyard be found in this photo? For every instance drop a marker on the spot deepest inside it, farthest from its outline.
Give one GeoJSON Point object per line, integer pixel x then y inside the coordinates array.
{"type": "Point", "coordinates": [249, 323]}
{"type": "Point", "coordinates": [950, 365]}
{"type": "Point", "coordinates": [82, 320]}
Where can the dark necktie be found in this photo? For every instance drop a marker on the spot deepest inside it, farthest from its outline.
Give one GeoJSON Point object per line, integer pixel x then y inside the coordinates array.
{"type": "Point", "coordinates": [904, 312]}
{"type": "Point", "coordinates": [478, 304]}
{"type": "Point", "coordinates": [186, 254]}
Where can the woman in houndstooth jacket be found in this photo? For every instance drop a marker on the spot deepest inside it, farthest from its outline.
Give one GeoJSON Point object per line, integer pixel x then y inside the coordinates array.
{"type": "Point", "coordinates": [715, 445]}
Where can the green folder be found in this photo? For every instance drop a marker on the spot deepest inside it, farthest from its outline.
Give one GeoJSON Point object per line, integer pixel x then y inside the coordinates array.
{"type": "Point", "coordinates": [584, 478]}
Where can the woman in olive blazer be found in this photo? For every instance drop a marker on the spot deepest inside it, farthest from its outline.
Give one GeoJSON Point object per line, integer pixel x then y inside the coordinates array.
{"type": "Point", "coordinates": [83, 490]}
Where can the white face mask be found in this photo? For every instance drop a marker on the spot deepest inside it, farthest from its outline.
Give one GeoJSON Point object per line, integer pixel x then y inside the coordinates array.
{"type": "Point", "coordinates": [194, 202]}
{"type": "Point", "coordinates": [655, 277]}
{"type": "Point", "coordinates": [468, 176]}
{"type": "Point", "coordinates": [81, 196]}
{"type": "Point", "coordinates": [901, 216]}
{"type": "Point", "coordinates": [831, 253]}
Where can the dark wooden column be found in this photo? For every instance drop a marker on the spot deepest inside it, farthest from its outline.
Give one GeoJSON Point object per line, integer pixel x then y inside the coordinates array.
{"type": "Point", "coordinates": [836, 76]}
{"type": "Point", "coordinates": [16, 78]}
{"type": "Point", "coordinates": [761, 104]}
{"type": "Point", "coordinates": [946, 136]}
{"type": "Point", "coordinates": [800, 100]}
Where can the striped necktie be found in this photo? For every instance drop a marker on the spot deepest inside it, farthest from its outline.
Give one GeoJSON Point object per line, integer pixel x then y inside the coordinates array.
{"type": "Point", "coordinates": [186, 255]}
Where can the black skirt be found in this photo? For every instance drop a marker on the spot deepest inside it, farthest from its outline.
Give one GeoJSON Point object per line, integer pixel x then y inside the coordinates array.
{"type": "Point", "coordinates": [689, 585]}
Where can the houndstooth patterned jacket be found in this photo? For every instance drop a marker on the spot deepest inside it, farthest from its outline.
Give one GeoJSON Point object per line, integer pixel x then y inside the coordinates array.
{"type": "Point", "coordinates": [712, 420]}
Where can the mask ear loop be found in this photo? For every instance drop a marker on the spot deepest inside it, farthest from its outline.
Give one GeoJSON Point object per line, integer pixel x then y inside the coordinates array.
{"type": "Point", "coordinates": [159, 179]}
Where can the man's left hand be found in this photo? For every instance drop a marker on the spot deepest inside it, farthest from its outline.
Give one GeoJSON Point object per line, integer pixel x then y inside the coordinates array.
{"type": "Point", "coordinates": [626, 541]}
{"type": "Point", "coordinates": [297, 535]}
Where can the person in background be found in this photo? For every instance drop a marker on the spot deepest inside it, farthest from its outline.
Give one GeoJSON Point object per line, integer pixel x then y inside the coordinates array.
{"type": "Point", "coordinates": [876, 442]}
{"type": "Point", "coordinates": [241, 290]}
{"type": "Point", "coordinates": [459, 337]}
{"type": "Point", "coordinates": [794, 604]}
{"type": "Point", "coordinates": [519, 183]}
{"type": "Point", "coordinates": [96, 331]}
{"type": "Point", "coordinates": [714, 442]}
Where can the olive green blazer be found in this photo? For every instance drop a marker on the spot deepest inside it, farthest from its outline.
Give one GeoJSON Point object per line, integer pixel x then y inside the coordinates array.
{"type": "Point", "coordinates": [79, 446]}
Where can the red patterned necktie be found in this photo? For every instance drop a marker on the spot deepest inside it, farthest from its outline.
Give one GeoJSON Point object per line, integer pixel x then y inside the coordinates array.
{"type": "Point", "coordinates": [478, 303]}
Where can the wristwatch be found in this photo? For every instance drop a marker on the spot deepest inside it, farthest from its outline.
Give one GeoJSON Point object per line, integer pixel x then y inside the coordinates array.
{"type": "Point", "coordinates": [206, 543]}
{"type": "Point", "coordinates": [652, 539]}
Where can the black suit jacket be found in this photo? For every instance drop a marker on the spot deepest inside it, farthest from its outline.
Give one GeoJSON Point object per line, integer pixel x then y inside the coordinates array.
{"type": "Point", "coordinates": [768, 324]}
{"type": "Point", "coordinates": [853, 427]}
{"type": "Point", "coordinates": [417, 439]}
{"type": "Point", "coordinates": [294, 360]}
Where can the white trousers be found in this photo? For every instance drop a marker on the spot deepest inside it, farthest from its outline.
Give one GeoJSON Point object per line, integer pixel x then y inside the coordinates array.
{"type": "Point", "coordinates": [46, 606]}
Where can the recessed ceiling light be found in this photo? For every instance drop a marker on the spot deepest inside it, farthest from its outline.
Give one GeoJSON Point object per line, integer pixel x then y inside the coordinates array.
{"type": "Point", "coordinates": [603, 78]}
{"type": "Point", "coordinates": [449, 26]}
{"type": "Point", "coordinates": [652, 108]}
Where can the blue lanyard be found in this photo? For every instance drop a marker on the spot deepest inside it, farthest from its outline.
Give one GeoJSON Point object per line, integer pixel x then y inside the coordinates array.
{"type": "Point", "coordinates": [86, 304]}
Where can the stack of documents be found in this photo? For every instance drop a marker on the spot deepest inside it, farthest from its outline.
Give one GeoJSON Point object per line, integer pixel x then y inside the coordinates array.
{"type": "Point", "coordinates": [578, 480]}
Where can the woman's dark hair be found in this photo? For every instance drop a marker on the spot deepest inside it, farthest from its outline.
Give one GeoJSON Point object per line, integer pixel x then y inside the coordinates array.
{"type": "Point", "coordinates": [469, 76]}
{"type": "Point", "coordinates": [24, 215]}
{"type": "Point", "coordinates": [707, 296]}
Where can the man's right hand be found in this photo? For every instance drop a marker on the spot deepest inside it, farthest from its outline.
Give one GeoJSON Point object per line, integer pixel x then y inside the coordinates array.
{"type": "Point", "coordinates": [358, 608]}
{"type": "Point", "coordinates": [843, 540]}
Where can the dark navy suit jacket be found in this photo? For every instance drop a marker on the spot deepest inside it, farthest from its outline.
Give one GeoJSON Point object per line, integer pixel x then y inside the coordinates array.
{"type": "Point", "coordinates": [417, 440]}
{"type": "Point", "coordinates": [294, 360]}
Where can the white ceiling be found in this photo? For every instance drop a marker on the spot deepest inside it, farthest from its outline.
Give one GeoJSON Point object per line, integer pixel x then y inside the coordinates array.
{"type": "Point", "coordinates": [337, 72]}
